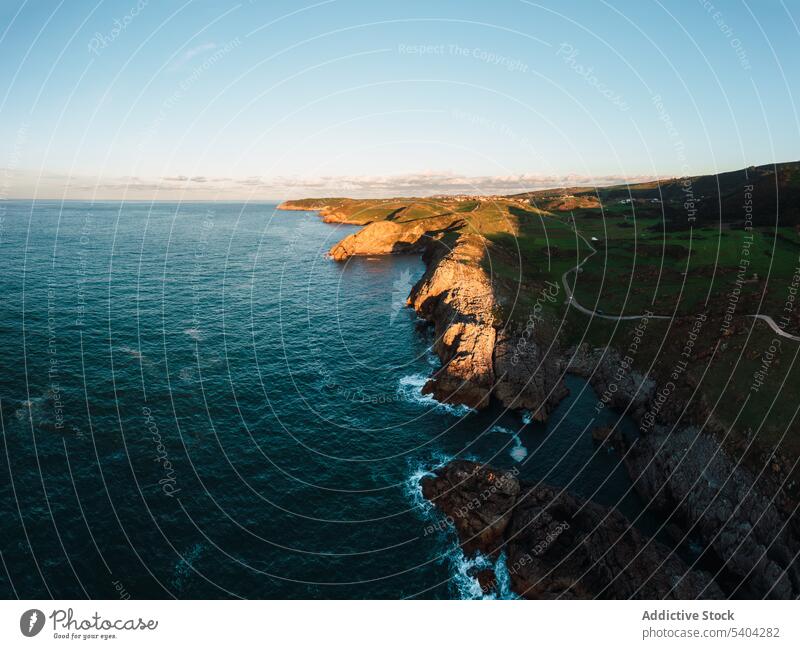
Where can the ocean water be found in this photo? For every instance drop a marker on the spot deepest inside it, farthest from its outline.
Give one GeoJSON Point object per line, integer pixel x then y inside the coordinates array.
{"type": "Point", "coordinates": [196, 403]}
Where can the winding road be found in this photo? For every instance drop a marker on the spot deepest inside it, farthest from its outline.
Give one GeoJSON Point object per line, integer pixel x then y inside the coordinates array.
{"type": "Point", "coordinates": [595, 314]}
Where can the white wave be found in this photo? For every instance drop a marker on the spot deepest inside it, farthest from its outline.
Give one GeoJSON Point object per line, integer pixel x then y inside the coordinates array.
{"type": "Point", "coordinates": [130, 351]}
{"type": "Point", "coordinates": [462, 568]}
{"type": "Point", "coordinates": [503, 578]}
{"type": "Point", "coordinates": [527, 417]}
{"type": "Point", "coordinates": [518, 452]}
{"type": "Point", "coordinates": [433, 359]}
{"type": "Point", "coordinates": [410, 389]}
{"type": "Point", "coordinates": [464, 579]}
{"type": "Point", "coordinates": [194, 333]}
{"type": "Point", "coordinates": [412, 487]}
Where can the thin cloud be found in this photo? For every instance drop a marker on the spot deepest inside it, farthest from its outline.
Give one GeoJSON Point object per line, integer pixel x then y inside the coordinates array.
{"type": "Point", "coordinates": [29, 183]}
{"type": "Point", "coordinates": [428, 183]}
{"type": "Point", "coordinates": [193, 52]}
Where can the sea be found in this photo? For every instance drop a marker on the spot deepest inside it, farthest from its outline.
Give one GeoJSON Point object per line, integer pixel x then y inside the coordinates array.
{"type": "Point", "coordinates": [197, 403]}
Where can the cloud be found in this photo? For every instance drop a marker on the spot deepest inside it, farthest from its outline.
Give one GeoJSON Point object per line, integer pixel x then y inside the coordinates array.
{"type": "Point", "coordinates": [57, 185]}
{"type": "Point", "coordinates": [188, 55]}
{"type": "Point", "coordinates": [427, 183]}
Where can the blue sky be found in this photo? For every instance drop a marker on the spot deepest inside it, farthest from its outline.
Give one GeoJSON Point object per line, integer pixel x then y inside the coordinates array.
{"type": "Point", "coordinates": [264, 99]}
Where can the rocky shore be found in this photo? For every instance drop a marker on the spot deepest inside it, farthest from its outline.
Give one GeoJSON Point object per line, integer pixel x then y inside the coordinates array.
{"type": "Point", "coordinates": [480, 357]}
{"type": "Point", "coordinates": [455, 296]}
{"type": "Point", "coordinates": [686, 475]}
{"type": "Point", "coordinates": [329, 213]}
{"type": "Point", "coordinates": [557, 545]}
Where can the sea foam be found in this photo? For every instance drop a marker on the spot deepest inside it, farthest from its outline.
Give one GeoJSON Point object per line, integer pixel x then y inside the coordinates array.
{"type": "Point", "coordinates": [410, 389]}
{"type": "Point", "coordinates": [518, 452]}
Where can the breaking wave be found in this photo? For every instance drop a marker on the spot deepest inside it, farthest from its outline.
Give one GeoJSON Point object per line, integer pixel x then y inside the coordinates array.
{"type": "Point", "coordinates": [410, 389]}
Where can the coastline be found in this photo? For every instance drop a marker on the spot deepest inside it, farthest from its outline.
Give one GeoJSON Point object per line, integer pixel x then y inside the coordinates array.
{"type": "Point", "coordinates": [744, 523]}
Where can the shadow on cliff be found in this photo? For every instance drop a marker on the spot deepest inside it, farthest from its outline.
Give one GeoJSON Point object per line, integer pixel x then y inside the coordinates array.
{"type": "Point", "coordinates": [427, 238]}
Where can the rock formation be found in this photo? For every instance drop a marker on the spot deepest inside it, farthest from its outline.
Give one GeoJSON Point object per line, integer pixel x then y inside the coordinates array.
{"type": "Point", "coordinates": [556, 544]}
{"type": "Point", "coordinates": [479, 357]}
{"type": "Point", "coordinates": [690, 479]}
{"type": "Point", "coordinates": [682, 470]}
{"type": "Point", "coordinates": [381, 238]}
{"type": "Point", "coordinates": [529, 376]}
{"type": "Point", "coordinates": [455, 295]}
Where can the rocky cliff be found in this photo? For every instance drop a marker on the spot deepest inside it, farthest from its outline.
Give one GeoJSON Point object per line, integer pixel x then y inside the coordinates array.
{"type": "Point", "coordinates": [455, 295]}
{"type": "Point", "coordinates": [686, 475]}
{"type": "Point", "coordinates": [480, 357]}
{"type": "Point", "coordinates": [530, 375]}
{"type": "Point", "coordinates": [381, 238]}
{"type": "Point", "coordinates": [557, 545]}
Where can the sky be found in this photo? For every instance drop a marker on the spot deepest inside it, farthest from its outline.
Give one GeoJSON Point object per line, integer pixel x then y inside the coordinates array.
{"type": "Point", "coordinates": [266, 100]}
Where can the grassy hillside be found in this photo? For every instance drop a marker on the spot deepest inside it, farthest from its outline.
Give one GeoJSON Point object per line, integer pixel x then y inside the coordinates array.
{"type": "Point", "coordinates": [773, 192]}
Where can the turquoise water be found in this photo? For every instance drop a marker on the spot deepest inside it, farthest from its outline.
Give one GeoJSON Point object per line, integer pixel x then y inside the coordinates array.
{"type": "Point", "coordinates": [197, 403]}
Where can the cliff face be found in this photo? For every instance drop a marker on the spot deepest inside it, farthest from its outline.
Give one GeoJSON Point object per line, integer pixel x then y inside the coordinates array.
{"type": "Point", "coordinates": [558, 545]}
{"type": "Point", "coordinates": [686, 475]}
{"type": "Point", "coordinates": [480, 359]}
{"type": "Point", "coordinates": [380, 238]}
{"type": "Point", "coordinates": [529, 375]}
{"type": "Point", "coordinates": [331, 214]}
{"type": "Point", "coordinates": [332, 210]}
{"type": "Point", "coordinates": [456, 296]}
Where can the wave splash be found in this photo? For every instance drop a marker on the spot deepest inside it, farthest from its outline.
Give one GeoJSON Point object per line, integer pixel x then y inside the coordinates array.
{"type": "Point", "coordinates": [463, 569]}
{"type": "Point", "coordinates": [410, 390]}
{"type": "Point", "coordinates": [519, 451]}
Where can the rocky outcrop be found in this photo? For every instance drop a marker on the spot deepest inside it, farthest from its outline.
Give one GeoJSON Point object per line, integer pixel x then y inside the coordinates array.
{"type": "Point", "coordinates": [479, 358]}
{"type": "Point", "coordinates": [381, 238]}
{"type": "Point", "coordinates": [478, 500]}
{"type": "Point", "coordinates": [529, 375]}
{"type": "Point", "coordinates": [331, 214]}
{"type": "Point", "coordinates": [618, 385]}
{"type": "Point", "coordinates": [289, 206]}
{"type": "Point", "coordinates": [687, 476]}
{"type": "Point", "coordinates": [556, 544]}
{"type": "Point", "coordinates": [331, 210]}
{"type": "Point", "coordinates": [455, 295]}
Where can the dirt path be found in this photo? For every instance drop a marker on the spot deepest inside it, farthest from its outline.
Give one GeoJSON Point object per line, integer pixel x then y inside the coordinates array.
{"type": "Point", "coordinates": [576, 305]}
